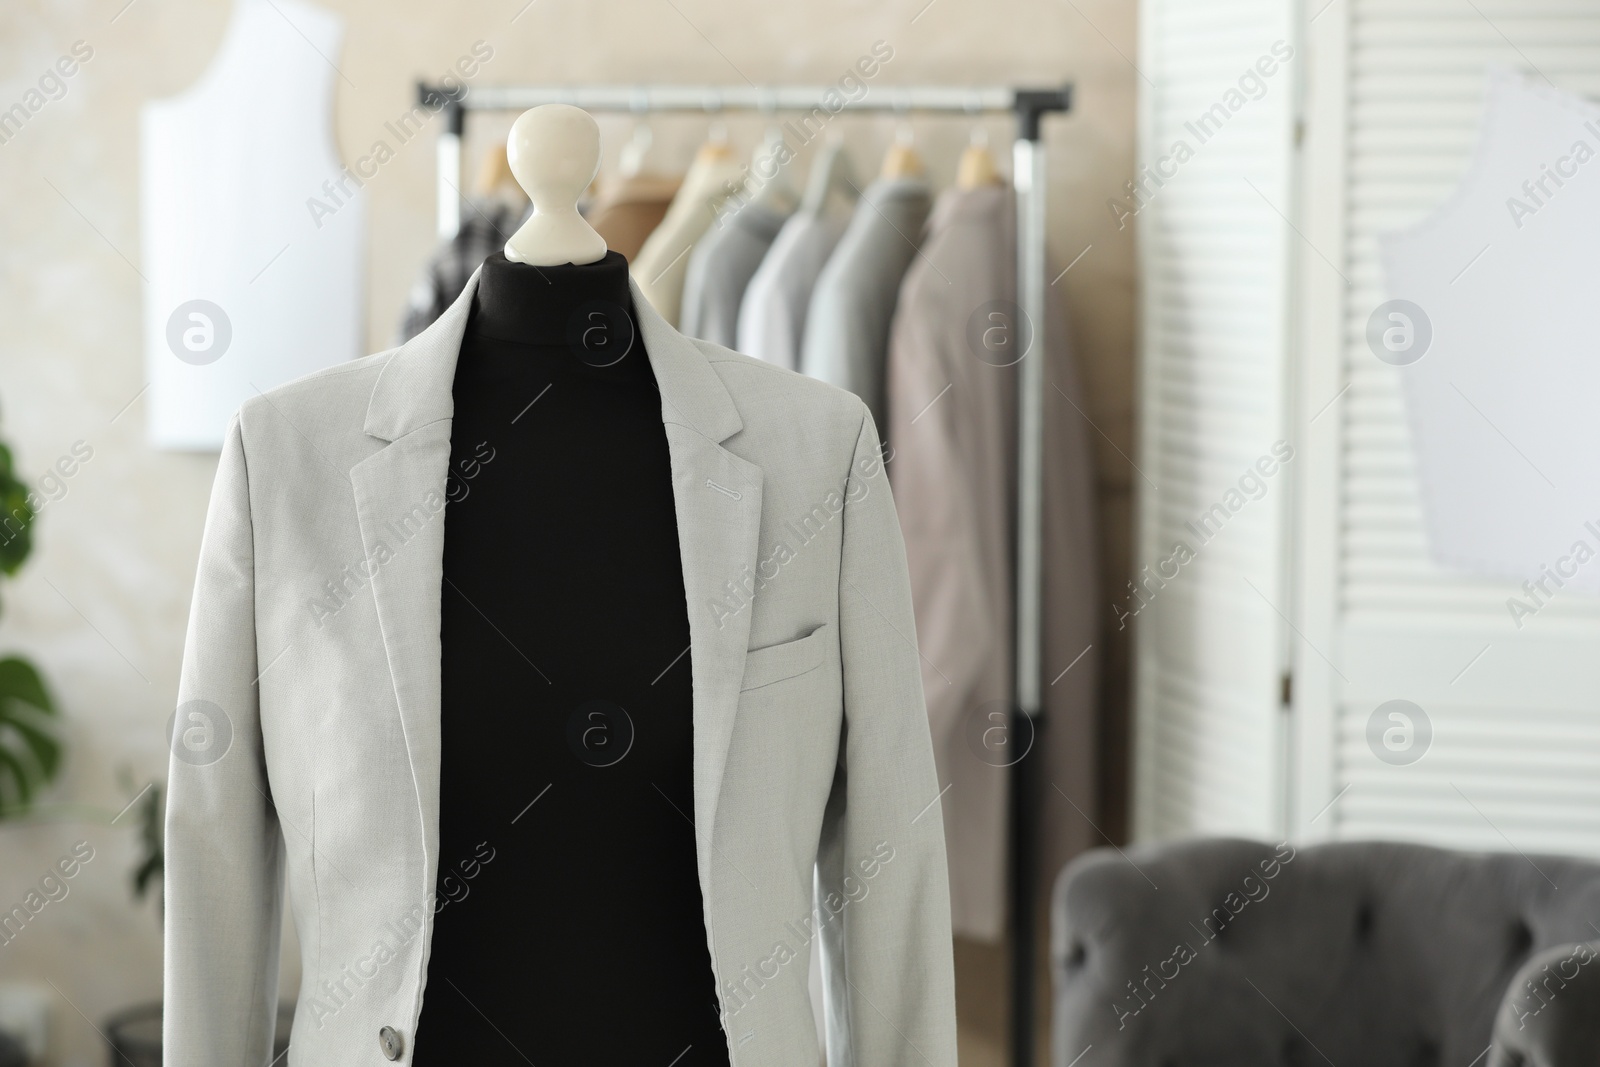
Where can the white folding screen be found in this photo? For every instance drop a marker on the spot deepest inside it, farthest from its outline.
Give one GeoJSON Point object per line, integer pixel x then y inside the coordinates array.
{"type": "Point", "coordinates": [1213, 189]}
{"type": "Point", "coordinates": [1392, 107]}
{"type": "Point", "coordinates": [1260, 270]}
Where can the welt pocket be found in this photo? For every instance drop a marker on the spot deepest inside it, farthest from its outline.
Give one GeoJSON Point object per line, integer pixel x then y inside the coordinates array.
{"type": "Point", "coordinates": [775, 663]}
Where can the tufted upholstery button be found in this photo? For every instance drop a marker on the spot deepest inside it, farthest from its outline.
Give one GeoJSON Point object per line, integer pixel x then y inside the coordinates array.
{"type": "Point", "coordinates": [1521, 939]}
{"type": "Point", "coordinates": [391, 1042]}
{"type": "Point", "coordinates": [1364, 922]}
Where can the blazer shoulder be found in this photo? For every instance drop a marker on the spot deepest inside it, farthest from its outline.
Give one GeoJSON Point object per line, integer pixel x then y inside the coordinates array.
{"type": "Point", "coordinates": [766, 394]}
{"type": "Point", "coordinates": [320, 406]}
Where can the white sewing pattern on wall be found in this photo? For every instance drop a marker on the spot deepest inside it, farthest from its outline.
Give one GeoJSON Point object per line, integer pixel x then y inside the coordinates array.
{"type": "Point", "coordinates": [244, 291]}
{"type": "Point", "coordinates": [1493, 328]}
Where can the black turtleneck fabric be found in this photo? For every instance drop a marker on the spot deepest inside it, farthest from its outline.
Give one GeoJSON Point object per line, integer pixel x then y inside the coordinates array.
{"type": "Point", "coordinates": [568, 928]}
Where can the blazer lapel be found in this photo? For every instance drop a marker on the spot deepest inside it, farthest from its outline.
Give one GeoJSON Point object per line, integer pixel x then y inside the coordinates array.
{"type": "Point", "coordinates": [400, 500]}
{"type": "Point", "coordinates": [717, 496]}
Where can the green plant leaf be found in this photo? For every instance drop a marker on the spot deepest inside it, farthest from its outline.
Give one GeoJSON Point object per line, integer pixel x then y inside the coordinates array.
{"type": "Point", "coordinates": [30, 743]}
{"type": "Point", "coordinates": [151, 826]}
{"type": "Point", "coordinates": [16, 517]}
{"type": "Point", "coordinates": [15, 792]}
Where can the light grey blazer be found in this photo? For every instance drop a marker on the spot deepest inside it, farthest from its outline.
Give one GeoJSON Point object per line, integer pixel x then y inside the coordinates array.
{"type": "Point", "coordinates": [772, 312]}
{"type": "Point", "coordinates": [306, 748]}
{"type": "Point", "coordinates": [847, 326]}
{"type": "Point", "coordinates": [720, 268]}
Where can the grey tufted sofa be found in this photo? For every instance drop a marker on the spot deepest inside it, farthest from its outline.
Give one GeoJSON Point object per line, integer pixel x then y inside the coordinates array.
{"type": "Point", "coordinates": [1230, 953]}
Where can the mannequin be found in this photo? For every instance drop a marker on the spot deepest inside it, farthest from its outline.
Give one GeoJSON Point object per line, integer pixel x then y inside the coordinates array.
{"type": "Point", "coordinates": [554, 152]}
{"type": "Point", "coordinates": [570, 919]}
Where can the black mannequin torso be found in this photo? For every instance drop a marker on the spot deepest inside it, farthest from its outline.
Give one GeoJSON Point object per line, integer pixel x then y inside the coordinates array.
{"type": "Point", "coordinates": [570, 925]}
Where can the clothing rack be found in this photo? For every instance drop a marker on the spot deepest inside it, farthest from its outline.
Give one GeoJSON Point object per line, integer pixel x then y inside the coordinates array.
{"type": "Point", "coordinates": [1028, 106]}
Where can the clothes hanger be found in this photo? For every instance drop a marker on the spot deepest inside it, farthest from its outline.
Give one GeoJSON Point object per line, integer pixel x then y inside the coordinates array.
{"type": "Point", "coordinates": [495, 182]}
{"type": "Point", "coordinates": [768, 178]}
{"type": "Point", "coordinates": [902, 161]}
{"type": "Point", "coordinates": [494, 172]}
{"type": "Point", "coordinates": [716, 148]}
{"type": "Point", "coordinates": [830, 174]}
{"type": "Point", "coordinates": [977, 168]}
{"type": "Point", "coordinates": [554, 153]}
{"type": "Point", "coordinates": [631, 160]}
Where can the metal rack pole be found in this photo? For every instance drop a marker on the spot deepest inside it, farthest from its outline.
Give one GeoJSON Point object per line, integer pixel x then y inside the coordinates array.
{"type": "Point", "coordinates": [713, 98]}
{"type": "Point", "coordinates": [1029, 178]}
{"type": "Point", "coordinates": [447, 155]}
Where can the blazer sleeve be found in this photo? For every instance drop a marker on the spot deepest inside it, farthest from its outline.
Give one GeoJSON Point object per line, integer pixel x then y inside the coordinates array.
{"type": "Point", "coordinates": [890, 978]}
{"type": "Point", "coordinates": [223, 876]}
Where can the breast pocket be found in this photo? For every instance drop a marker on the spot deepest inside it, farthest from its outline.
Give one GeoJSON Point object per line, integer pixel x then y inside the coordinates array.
{"type": "Point", "coordinates": [777, 663]}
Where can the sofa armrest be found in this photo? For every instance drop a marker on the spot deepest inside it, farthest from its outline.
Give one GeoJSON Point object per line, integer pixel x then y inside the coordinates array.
{"type": "Point", "coordinates": [1550, 1015]}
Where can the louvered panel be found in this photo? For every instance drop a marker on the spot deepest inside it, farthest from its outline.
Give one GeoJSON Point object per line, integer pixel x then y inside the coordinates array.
{"type": "Point", "coordinates": [1213, 258]}
{"type": "Point", "coordinates": [1491, 779]}
{"type": "Point", "coordinates": [1205, 766]}
{"type": "Point", "coordinates": [1515, 756]}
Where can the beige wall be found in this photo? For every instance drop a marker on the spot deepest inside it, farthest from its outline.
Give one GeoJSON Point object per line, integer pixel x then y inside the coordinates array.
{"type": "Point", "coordinates": [102, 605]}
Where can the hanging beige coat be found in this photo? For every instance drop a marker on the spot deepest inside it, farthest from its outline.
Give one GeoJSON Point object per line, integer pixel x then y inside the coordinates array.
{"type": "Point", "coordinates": [629, 209]}
{"type": "Point", "coordinates": [662, 262]}
{"type": "Point", "coordinates": [952, 385]}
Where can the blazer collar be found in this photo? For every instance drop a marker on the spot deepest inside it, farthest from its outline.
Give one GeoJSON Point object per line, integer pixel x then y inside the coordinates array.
{"type": "Point", "coordinates": [414, 387]}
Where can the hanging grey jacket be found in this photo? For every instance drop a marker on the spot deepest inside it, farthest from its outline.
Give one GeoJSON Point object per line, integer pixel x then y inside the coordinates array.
{"type": "Point", "coordinates": [720, 268]}
{"type": "Point", "coordinates": [847, 328]}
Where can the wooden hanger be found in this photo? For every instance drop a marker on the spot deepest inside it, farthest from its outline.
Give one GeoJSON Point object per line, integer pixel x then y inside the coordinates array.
{"type": "Point", "coordinates": [495, 177]}
{"type": "Point", "coordinates": [902, 161]}
{"type": "Point", "coordinates": [630, 163]}
{"type": "Point", "coordinates": [716, 148]}
{"type": "Point", "coordinates": [977, 168]}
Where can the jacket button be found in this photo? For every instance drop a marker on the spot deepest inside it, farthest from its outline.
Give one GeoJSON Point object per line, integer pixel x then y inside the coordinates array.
{"type": "Point", "coordinates": [390, 1041]}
